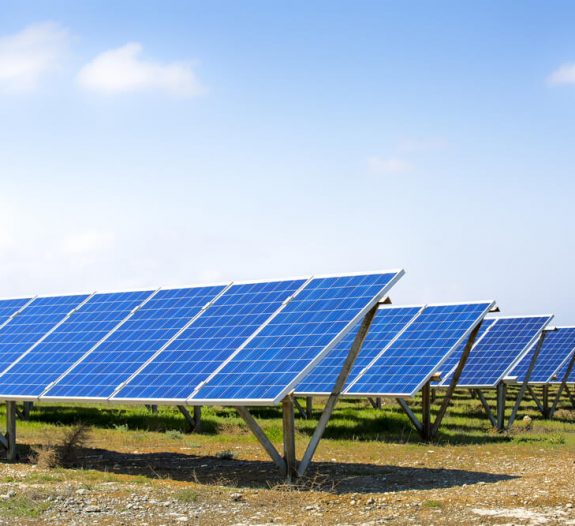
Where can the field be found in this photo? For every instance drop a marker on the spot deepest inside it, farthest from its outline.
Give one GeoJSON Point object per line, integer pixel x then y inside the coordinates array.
{"type": "Point", "coordinates": [140, 468]}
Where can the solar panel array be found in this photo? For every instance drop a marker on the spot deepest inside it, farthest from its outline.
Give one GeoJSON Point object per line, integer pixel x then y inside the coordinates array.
{"type": "Point", "coordinates": [83, 329]}
{"type": "Point", "coordinates": [387, 324]}
{"type": "Point", "coordinates": [310, 325]}
{"type": "Point", "coordinates": [558, 347]}
{"type": "Point", "coordinates": [452, 361]}
{"type": "Point", "coordinates": [136, 341]}
{"type": "Point", "coordinates": [34, 322]}
{"type": "Point", "coordinates": [175, 344]}
{"type": "Point", "coordinates": [208, 342]}
{"type": "Point", "coordinates": [502, 346]}
{"type": "Point", "coordinates": [412, 358]}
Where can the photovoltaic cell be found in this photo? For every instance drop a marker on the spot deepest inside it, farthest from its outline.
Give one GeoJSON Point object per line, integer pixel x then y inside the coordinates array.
{"type": "Point", "coordinates": [502, 345]}
{"type": "Point", "coordinates": [388, 322]}
{"type": "Point", "coordinates": [146, 332]}
{"type": "Point", "coordinates": [68, 343]}
{"type": "Point", "coordinates": [34, 322]}
{"type": "Point", "coordinates": [453, 359]}
{"type": "Point", "coordinates": [269, 366]}
{"type": "Point", "coordinates": [419, 351]}
{"type": "Point", "coordinates": [209, 341]}
{"type": "Point", "coordinates": [557, 346]}
{"type": "Point", "coordinates": [9, 308]}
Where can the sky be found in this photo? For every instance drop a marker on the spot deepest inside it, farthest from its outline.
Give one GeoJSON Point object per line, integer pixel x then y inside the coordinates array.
{"type": "Point", "coordinates": [147, 144]}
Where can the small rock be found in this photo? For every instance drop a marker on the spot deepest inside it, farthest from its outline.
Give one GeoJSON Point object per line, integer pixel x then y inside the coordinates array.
{"type": "Point", "coordinates": [183, 518]}
{"type": "Point", "coordinates": [236, 497]}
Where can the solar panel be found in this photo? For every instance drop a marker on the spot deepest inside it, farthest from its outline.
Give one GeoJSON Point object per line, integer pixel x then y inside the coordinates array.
{"type": "Point", "coordinates": [507, 340]}
{"type": "Point", "coordinates": [10, 308]}
{"type": "Point", "coordinates": [32, 324]}
{"type": "Point", "coordinates": [209, 341]}
{"type": "Point", "coordinates": [451, 363]}
{"type": "Point", "coordinates": [557, 347]}
{"type": "Point", "coordinates": [79, 333]}
{"type": "Point", "coordinates": [136, 341]}
{"type": "Point", "coordinates": [273, 362]}
{"type": "Point", "coordinates": [562, 370]}
{"type": "Point", "coordinates": [387, 324]}
{"type": "Point", "coordinates": [411, 359]}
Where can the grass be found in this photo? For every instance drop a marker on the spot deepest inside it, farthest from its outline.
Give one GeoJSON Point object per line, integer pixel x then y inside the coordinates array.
{"type": "Point", "coordinates": [186, 495]}
{"type": "Point", "coordinates": [22, 506]}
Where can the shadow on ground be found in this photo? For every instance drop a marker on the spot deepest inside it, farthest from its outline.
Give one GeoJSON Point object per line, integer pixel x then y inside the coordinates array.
{"type": "Point", "coordinates": [323, 476]}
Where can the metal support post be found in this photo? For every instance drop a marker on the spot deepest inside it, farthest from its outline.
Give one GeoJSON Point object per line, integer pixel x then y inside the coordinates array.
{"type": "Point", "coordinates": [426, 429]}
{"type": "Point", "coordinates": [299, 408]}
{"type": "Point", "coordinates": [309, 406]}
{"type": "Point", "coordinates": [11, 453]}
{"type": "Point", "coordinates": [194, 421]}
{"type": "Point", "coordinates": [486, 407]}
{"type": "Point", "coordinates": [501, 398]}
{"type": "Point", "coordinates": [545, 401]}
{"type": "Point", "coordinates": [289, 438]}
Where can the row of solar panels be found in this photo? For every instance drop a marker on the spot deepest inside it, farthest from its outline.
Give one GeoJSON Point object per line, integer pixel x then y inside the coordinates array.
{"type": "Point", "coordinates": [252, 343]}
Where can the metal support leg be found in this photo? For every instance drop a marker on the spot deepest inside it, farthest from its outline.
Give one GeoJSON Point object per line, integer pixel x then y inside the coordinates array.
{"type": "Point", "coordinates": [299, 408]}
{"type": "Point", "coordinates": [569, 395]}
{"type": "Point", "coordinates": [486, 407]}
{"type": "Point", "coordinates": [11, 453]}
{"type": "Point", "coordinates": [152, 408]}
{"type": "Point", "coordinates": [309, 406]}
{"type": "Point", "coordinates": [563, 387]}
{"type": "Point", "coordinates": [289, 438]}
{"type": "Point", "coordinates": [26, 408]}
{"type": "Point", "coordinates": [501, 398]}
{"type": "Point", "coordinates": [453, 384]}
{"type": "Point", "coordinates": [535, 398]}
{"type": "Point", "coordinates": [426, 412]}
{"type": "Point", "coordinates": [545, 401]}
{"type": "Point", "coordinates": [411, 415]}
{"type": "Point", "coordinates": [337, 388]}
{"type": "Point", "coordinates": [523, 387]}
{"type": "Point", "coordinates": [193, 422]}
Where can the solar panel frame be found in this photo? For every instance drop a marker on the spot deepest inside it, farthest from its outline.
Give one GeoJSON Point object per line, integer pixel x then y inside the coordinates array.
{"type": "Point", "coordinates": [398, 274]}
{"type": "Point", "coordinates": [516, 360]}
{"type": "Point", "coordinates": [109, 398]}
{"type": "Point", "coordinates": [426, 378]}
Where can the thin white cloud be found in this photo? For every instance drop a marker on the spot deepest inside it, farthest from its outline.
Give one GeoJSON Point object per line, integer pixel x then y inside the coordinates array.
{"type": "Point", "coordinates": [89, 242]}
{"type": "Point", "coordinates": [565, 74]}
{"type": "Point", "coordinates": [423, 145]}
{"type": "Point", "coordinates": [27, 56]}
{"type": "Point", "coordinates": [389, 165]}
{"type": "Point", "coordinates": [124, 70]}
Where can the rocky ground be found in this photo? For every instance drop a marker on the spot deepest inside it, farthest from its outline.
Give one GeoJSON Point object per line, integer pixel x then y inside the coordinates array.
{"type": "Point", "coordinates": [508, 483]}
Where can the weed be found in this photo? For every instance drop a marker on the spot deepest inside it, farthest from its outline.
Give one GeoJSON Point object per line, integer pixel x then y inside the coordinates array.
{"type": "Point", "coordinates": [226, 455]}
{"type": "Point", "coordinates": [432, 504]}
{"type": "Point", "coordinates": [186, 495]}
{"type": "Point", "coordinates": [23, 506]}
{"type": "Point", "coordinates": [174, 434]}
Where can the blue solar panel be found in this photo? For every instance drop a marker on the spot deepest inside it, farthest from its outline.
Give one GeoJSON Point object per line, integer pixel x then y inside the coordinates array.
{"type": "Point", "coordinates": [9, 308]}
{"type": "Point", "coordinates": [419, 351]}
{"type": "Point", "coordinates": [562, 370]}
{"type": "Point", "coordinates": [209, 341]}
{"type": "Point", "coordinates": [504, 343]}
{"type": "Point", "coordinates": [449, 365]}
{"type": "Point", "coordinates": [34, 322]}
{"type": "Point", "coordinates": [387, 324]}
{"type": "Point", "coordinates": [557, 346]}
{"type": "Point", "coordinates": [273, 362]}
{"type": "Point", "coordinates": [137, 340]}
{"type": "Point", "coordinates": [68, 343]}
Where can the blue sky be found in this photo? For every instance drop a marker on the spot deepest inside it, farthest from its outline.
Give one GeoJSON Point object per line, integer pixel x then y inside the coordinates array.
{"type": "Point", "coordinates": [170, 143]}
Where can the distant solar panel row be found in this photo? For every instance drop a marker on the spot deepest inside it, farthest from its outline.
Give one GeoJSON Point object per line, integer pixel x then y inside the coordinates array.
{"type": "Point", "coordinates": [500, 348]}
{"type": "Point", "coordinates": [260, 339]}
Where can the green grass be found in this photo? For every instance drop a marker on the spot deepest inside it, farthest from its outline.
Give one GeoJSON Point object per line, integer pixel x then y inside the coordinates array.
{"type": "Point", "coordinates": [22, 506]}
{"type": "Point", "coordinates": [433, 504]}
{"type": "Point", "coordinates": [186, 495]}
